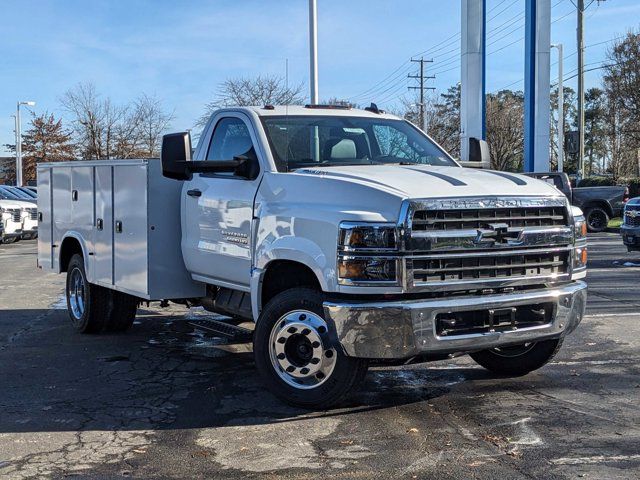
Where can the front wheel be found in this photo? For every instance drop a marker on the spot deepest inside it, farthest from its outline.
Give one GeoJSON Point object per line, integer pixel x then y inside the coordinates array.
{"type": "Point", "coordinates": [519, 359]}
{"type": "Point", "coordinates": [295, 356]}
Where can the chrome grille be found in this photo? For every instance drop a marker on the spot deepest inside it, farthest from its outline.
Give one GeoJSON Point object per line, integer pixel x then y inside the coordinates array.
{"type": "Point", "coordinates": [461, 219]}
{"type": "Point", "coordinates": [632, 215]}
{"type": "Point", "coordinates": [33, 213]}
{"type": "Point", "coordinates": [16, 214]}
{"type": "Point", "coordinates": [525, 264]}
{"type": "Point", "coordinates": [486, 242]}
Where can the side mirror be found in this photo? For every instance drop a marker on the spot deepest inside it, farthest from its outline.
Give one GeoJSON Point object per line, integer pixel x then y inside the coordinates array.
{"type": "Point", "coordinates": [176, 151]}
{"type": "Point", "coordinates": [478, 150]}
{"type": "Point", "coordinates": [247, 167]}
{"type": "Point", "coordinates": [479, 156]}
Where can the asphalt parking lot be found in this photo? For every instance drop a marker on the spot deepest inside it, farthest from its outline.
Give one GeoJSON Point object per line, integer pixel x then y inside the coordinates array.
{"type": "Point", "coordinates": [163, 401]}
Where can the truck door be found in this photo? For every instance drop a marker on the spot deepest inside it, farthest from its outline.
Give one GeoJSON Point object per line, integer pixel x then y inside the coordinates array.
{"type": "Point", "coordinates": [218, 210]}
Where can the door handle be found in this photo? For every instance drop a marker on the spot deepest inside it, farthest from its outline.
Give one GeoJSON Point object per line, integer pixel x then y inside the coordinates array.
{"type": "Point", "coordinates": [118, 226]}
{"type": "Point", "coordinates": [99, 224]}
{"type": "Point", "coordinates": [194, 193]}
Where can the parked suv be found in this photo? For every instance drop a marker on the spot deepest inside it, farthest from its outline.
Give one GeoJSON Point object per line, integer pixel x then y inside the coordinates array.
{"type": "Point", "coordinates": [630, 228]}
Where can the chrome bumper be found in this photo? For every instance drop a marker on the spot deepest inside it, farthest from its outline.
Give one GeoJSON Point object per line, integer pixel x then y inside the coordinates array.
{"type": "Point", "coordinates": [402, 329]}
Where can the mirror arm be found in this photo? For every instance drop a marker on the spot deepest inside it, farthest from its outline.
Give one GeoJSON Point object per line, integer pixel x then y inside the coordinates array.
{"type": "Point", "coordinates": [210, 166]}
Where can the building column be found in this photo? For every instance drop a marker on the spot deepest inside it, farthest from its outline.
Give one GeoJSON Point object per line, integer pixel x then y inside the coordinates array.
{"type": "Point", "coordinates": [537, 101]}
{"type": "Point", "coordinates": [472, 86]}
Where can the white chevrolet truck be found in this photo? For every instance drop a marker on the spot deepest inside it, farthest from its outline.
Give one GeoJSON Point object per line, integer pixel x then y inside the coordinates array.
{"type": "Point", "coordinates": [348, 237]}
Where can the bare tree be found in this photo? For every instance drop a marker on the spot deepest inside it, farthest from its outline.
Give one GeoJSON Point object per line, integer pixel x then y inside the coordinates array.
{"type": "Point", "coordinates": [103, 129]}
{"type": "Point", "coordinates": [153, 122]}
{"type": "Point", "coordinates": [261, 90]}
{"type": "Point", "coordinates": [505, 129]}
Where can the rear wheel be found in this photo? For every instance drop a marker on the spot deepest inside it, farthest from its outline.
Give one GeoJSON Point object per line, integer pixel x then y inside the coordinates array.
{"type": "Point", "coordinates": [94, 309]}
{"type": "Point", "coordinates": [597, 219]}
{"type": "Point", "coordinates": [295, 356]}
{"type": "Point", "coordinates": [517, 360]}
{"type": "Point", "coordinates": [123, 313]}
{"type": "Point", "coordinates": [88, 305]}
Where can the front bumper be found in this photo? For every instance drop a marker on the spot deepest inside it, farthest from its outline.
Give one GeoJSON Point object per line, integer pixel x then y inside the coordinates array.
{"type": "Point", "coordinates": [403, 329]}
{"type": "Point", "coordinates": [630, 236]}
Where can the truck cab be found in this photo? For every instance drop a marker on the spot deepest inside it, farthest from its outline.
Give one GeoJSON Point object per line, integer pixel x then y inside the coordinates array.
{"type": "Point", "coordinates": [347, 236]}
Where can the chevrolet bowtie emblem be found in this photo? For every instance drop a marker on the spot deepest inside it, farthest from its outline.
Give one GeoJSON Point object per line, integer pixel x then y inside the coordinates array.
{"type": "Point", "coordinates": [495, 233]}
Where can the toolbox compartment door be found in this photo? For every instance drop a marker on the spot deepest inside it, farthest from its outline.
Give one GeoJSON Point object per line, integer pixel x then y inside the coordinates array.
{"type": "Point", "coordinates": [45, 217]}
{"type": "Point", "coordinates": [103, 228]}
{"type": "Point", "coordinates": [130, 249]}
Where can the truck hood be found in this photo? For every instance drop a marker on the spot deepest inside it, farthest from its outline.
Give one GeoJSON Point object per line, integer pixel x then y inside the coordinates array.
{"type": "Point", "coordinates": [16, 204]}
{"type": "Point", "coordinates": [423, 181]}
{"type": "Point", "coordinates": [12, 204]}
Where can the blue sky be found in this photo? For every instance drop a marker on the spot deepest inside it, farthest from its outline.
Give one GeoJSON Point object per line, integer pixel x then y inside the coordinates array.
{"type": "Point", "coordinates": [181, 50]}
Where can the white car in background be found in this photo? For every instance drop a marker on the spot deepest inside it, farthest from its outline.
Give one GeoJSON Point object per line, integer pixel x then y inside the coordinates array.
{"type": "Point", "coordinates": [10, 221]}
{"type": "Point", "coordinates": [28, 213]}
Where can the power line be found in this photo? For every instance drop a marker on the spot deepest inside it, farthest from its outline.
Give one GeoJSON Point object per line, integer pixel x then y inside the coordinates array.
{"type": "Point", "coordinates": [451, 56]}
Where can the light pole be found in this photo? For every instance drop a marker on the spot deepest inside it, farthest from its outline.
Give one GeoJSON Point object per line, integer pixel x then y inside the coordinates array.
{"type": "Point", "coordinates": [560, 108]}
{"type": "Point", "coordinates": [19, 143]}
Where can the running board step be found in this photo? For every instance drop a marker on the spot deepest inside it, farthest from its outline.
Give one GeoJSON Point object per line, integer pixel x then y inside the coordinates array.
{"type": "Point", "coordinates": [218, 328]}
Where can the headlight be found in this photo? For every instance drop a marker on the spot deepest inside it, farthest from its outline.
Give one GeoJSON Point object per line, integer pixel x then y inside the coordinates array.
{"type": "Point", "coordinates": [580, 224]}
{"type": "Point", "coordinates": [353, 270]}
{"type": "Point", "coordinates": [363, 236]}
{"type": "Point", "coordinates": [580, 229]}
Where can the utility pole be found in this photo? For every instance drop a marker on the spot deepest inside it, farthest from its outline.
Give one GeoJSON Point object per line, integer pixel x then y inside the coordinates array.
{"type": "Point", "coordinates": [313, 50]}
{"type": "Point", "coordinates": [560, 107]}
{"type": "Point", "coordinates": [19, 142]}
{"type": "Point", "coordinates": [421, 77]}
{"type": "Point", "coordinates": [580, 89]}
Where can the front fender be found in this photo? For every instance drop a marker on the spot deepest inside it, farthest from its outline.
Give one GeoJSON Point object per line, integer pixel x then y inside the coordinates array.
{"type": "Point", "coordinates": [301, 250]}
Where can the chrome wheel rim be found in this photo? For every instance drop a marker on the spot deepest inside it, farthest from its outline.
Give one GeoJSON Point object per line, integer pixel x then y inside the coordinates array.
{"type": "Point", "coordinates": [76, 293]}
{"type": "Point", "coordinates": [514, 351]}
{"type": "Point", "coordinates": [300, 351]}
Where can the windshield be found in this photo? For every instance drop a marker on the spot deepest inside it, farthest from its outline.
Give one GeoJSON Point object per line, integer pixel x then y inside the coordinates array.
{"type": "Point", "coordinates": [307, 141]}
{"type": "Point", "coordinates": [7, 194]}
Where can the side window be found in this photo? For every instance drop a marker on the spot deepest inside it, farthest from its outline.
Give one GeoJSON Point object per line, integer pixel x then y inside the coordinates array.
{"type": "Point", "coordinates": [230, 139]}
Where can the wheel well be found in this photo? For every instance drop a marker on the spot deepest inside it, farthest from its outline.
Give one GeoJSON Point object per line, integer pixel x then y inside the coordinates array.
{"type": "Point", "coordinates": [603, 205]}
{"type": "Point", "coordinates": [282, 275]}
{"type": "Point", "coordinates": [70, 246]}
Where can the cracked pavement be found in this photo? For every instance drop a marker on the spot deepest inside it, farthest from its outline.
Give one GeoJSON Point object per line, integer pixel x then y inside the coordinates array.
{"type": "Point", "coordinates": [165, 401]}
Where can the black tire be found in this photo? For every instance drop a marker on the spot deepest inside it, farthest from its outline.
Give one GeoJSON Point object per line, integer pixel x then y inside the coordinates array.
{"type": "Point", "coordinates": [96, 301]}
{"type": "Point", "coordinates": [517, 360]}
{"type": "Point", "coordinates": [345, 372]}
{"type": "Point", "coordinates": [104, 310]}
{"type": "Point", "coordinates": [123, 312]}
{"type": "Point", "coordinates": [597, 219]}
